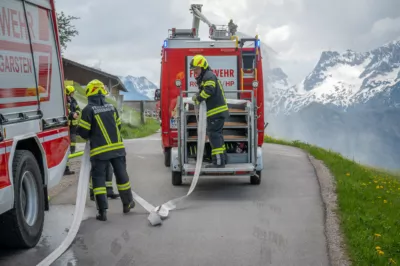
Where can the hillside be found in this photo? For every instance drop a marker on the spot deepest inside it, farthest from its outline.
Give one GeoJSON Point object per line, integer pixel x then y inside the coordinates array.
{"type": "Point", "coordinates": [131, 127]}
{"type": "Point", "coordinates": [139, 88]}
{"type": "Point", "coordinates": [350, 103]}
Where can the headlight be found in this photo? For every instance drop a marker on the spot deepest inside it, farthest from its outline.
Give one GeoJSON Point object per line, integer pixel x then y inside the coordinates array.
{"type": "Point", "coordinates": [178, 82]}
{"type": "Point", "coordinates": [255, 84]}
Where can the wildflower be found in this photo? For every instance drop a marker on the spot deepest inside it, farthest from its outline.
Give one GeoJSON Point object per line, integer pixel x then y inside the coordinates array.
{"type": "Point", "coordinates": [392, 261]}
{"type": "Point", "coordinates": [384, 201]}
{"type": "Point", "coordinates": [380, 252]}
{"type": "Point", "coordinates": [378, 235]}
{"type": "Point", "coordinates": [377, 247]}
{"type": "Point", "coordinates": [348, 174]}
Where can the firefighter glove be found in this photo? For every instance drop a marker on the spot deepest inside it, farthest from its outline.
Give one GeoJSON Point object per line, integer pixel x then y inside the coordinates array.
{"type": "Point", "coordinates": [194, 98]}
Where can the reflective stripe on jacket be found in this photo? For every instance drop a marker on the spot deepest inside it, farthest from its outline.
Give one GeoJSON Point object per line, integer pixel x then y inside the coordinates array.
{"type": "Point", "coordinates": [101, 124]}
{"type": "Point", "coordinates": [212, 91]}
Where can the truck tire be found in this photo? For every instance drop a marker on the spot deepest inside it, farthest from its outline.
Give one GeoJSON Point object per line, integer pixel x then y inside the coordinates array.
{"type": "Point", "coordinates": [256, 180]}
{"type": "Point", "coordinates": [176, 178]}
{"type": "Point", "coordinates": [22, 226]}
{"type": "Point", "coordinates": [167, 157]}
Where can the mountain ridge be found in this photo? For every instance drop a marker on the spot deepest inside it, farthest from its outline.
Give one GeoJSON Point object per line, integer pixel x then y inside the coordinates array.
{"type": "Point", "coordinates": [350, 102]}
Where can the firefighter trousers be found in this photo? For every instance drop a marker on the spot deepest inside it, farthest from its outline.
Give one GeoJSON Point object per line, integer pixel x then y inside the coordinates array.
{"type": "Point", "coordinates": [214, 133]}
{"type": "Point", "coordinates": [72, 147]}
{"type": "Point", "coordinates": [99, 181]}
{"type": "Point", "coordinates": [109, 185]}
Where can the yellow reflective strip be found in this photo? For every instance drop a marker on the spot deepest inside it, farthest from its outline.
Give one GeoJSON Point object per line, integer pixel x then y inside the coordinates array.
{"type": "Point", "coordinates": [83, 125]}
{"type": "Point", "coordinates": [108, 183]}
{"type": "Point", "coordinates": [217, 152]}
{"type": "Point", "coordinates": [107, 146]}
{"type": "Point", "coordinates": [204, 94]}
{"type": "Point", "coordinates": [103, 129]}
{"type": "Point", "coordinates": [209, 83]}
{"type": "Point", "coordinates": [100, 190]}
{"type": "Point", "coordinates": [81, 121]}
{"type": "Point", "coordinates": [125, 186]}
{"type": "Point", "coordinates": [106, 150]}
{"type": "Point", "coordinates": [222, 90]}
{"type": "Point", "coordinates": [116, 127]}
{"type": "Point", "coordinates": [217, 110]}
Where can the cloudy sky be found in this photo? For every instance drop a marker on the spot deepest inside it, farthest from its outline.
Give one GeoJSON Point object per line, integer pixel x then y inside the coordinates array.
{"type": "Point", "coordinates": [124, 37]}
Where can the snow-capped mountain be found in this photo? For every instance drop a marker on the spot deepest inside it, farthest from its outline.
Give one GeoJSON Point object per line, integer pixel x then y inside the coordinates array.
{"type": "Point", "coordinates": [346, 79]}
{"type": "Point", "coordinates": [349, 103]}
{"type": "Point", "coordinates": [140, 88]}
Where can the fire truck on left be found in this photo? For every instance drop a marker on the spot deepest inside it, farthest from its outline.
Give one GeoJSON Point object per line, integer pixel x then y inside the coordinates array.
{"type": "Point", "coordinates": [34, 135]}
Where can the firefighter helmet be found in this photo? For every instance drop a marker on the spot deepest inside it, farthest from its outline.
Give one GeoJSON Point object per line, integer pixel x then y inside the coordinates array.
{"type": "Point", "coordinates": [69, 90]}
{"type": "Point", "coordinates": [199, 61]}
{"type": "Point", "coordinates": [95, 87]}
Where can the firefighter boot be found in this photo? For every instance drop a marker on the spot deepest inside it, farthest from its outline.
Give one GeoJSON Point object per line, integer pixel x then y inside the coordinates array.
{"type": "Point", "coordinates": [127, 200]}
{"type": "Point", "coordinates": [102, 216]}
{"type": "Point", "coordinates": [218, 161]}
{"type": "Point", "coordinates": [102, 206]}
{"type": "Point", "coordinates": [68, 171]}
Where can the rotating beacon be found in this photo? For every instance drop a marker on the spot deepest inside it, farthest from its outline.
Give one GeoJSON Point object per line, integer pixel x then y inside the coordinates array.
{"type": "Point", "coordinates": [237, 63]}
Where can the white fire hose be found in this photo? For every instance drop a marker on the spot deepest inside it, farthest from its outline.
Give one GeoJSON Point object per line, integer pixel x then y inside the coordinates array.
{"type": "Point", "coordinates": [156, 213]}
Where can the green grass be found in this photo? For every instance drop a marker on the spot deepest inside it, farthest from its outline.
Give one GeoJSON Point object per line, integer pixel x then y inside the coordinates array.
{"type": "Point", "coordinates": [131, 126]}
{"type": "Point", "coordinates": [369, 206]}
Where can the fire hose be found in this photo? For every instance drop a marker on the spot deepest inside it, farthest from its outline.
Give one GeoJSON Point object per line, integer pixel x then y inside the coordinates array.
{"type": "Point", "coordinates": [156, 214]}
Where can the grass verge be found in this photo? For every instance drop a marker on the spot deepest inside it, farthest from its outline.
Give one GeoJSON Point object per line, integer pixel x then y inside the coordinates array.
{"type": "Point", "coordinates": [369, 206]}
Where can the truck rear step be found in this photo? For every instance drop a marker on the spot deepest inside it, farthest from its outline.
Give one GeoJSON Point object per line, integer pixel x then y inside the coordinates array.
{"type": "Point", "coordinates": [229, 168]}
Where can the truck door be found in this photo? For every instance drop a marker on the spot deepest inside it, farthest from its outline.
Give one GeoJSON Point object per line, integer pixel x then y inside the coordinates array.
{"type": "Point", "coordinates": [48, 63]}
{"type": "Point", "coordinates": [19, 93]}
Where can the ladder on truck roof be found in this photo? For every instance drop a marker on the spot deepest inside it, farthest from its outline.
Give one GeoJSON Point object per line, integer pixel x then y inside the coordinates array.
{"type": "Point", "coordinates": [248, 69]}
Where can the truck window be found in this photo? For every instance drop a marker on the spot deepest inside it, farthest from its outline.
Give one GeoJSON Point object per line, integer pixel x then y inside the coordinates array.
{"type": "Point", "coordinates": [18, 89]}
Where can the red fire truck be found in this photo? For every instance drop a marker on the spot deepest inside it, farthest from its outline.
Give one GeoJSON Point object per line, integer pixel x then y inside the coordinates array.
{"type": "Point", "coordinates": [236, 62]}
{"type": "Point", "coordinates": [34, 135]}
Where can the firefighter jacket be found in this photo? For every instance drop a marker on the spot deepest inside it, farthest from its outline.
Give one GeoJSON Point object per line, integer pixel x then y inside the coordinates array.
{"type": "Point", "coordinates": [212, 91]}
{"type": "Point", "coordinates": [73, 107]}
{"type": "Point", "coordinates": [101, 125]}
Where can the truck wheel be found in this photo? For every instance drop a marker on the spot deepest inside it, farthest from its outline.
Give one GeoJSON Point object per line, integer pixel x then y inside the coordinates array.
{"type": "Point", "coordinates": [22, 226]}
{"type": "Point", "coordinates": [167, 157]}
{"type": "Point", "coordinates": [176, 178]}
{"type": "Point", "coordinates": [255, 180]}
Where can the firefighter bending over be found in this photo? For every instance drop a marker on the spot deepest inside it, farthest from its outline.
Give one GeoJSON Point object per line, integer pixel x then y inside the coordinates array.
{"type": "Point", "coordinates": [211, 91]}
{"type": "Point", "coordinates": [74, 113]}
{"type": "Point", "coordinates": [110, 190]}
{"type": "Point", "coordinates": [101, 125]}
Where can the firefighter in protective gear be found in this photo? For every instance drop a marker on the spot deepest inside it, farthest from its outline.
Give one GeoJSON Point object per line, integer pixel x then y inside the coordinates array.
{"type": "Point", "coordinates": [101, 125]}
{"type": "Point", "coordinates": [110, 190]}
{"type": "Point", "coordinates": [212, 92]}
{"type": "Point", "coordinates": [74, 112]}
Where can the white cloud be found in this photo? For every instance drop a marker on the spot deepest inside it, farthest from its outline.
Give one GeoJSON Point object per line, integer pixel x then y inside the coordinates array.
{"type": "Point", "coordinates": [127, 35]}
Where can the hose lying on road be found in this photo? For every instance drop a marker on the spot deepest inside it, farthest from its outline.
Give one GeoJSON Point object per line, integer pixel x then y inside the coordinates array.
{"type": "Point", "coordinates": [156, 213]}
{"type": "Point", "coordinates": [79, 209]}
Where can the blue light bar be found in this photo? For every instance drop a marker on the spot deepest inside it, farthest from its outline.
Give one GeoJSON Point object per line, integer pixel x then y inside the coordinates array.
{"type": "Point", "coordinates": [165, 44]}
{"type": "Point", "coordinates": [258, 43]}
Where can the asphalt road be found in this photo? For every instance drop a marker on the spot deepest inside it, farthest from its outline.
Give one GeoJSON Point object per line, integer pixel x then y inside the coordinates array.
{"type": "Point", "coordinates": [226, 221]}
